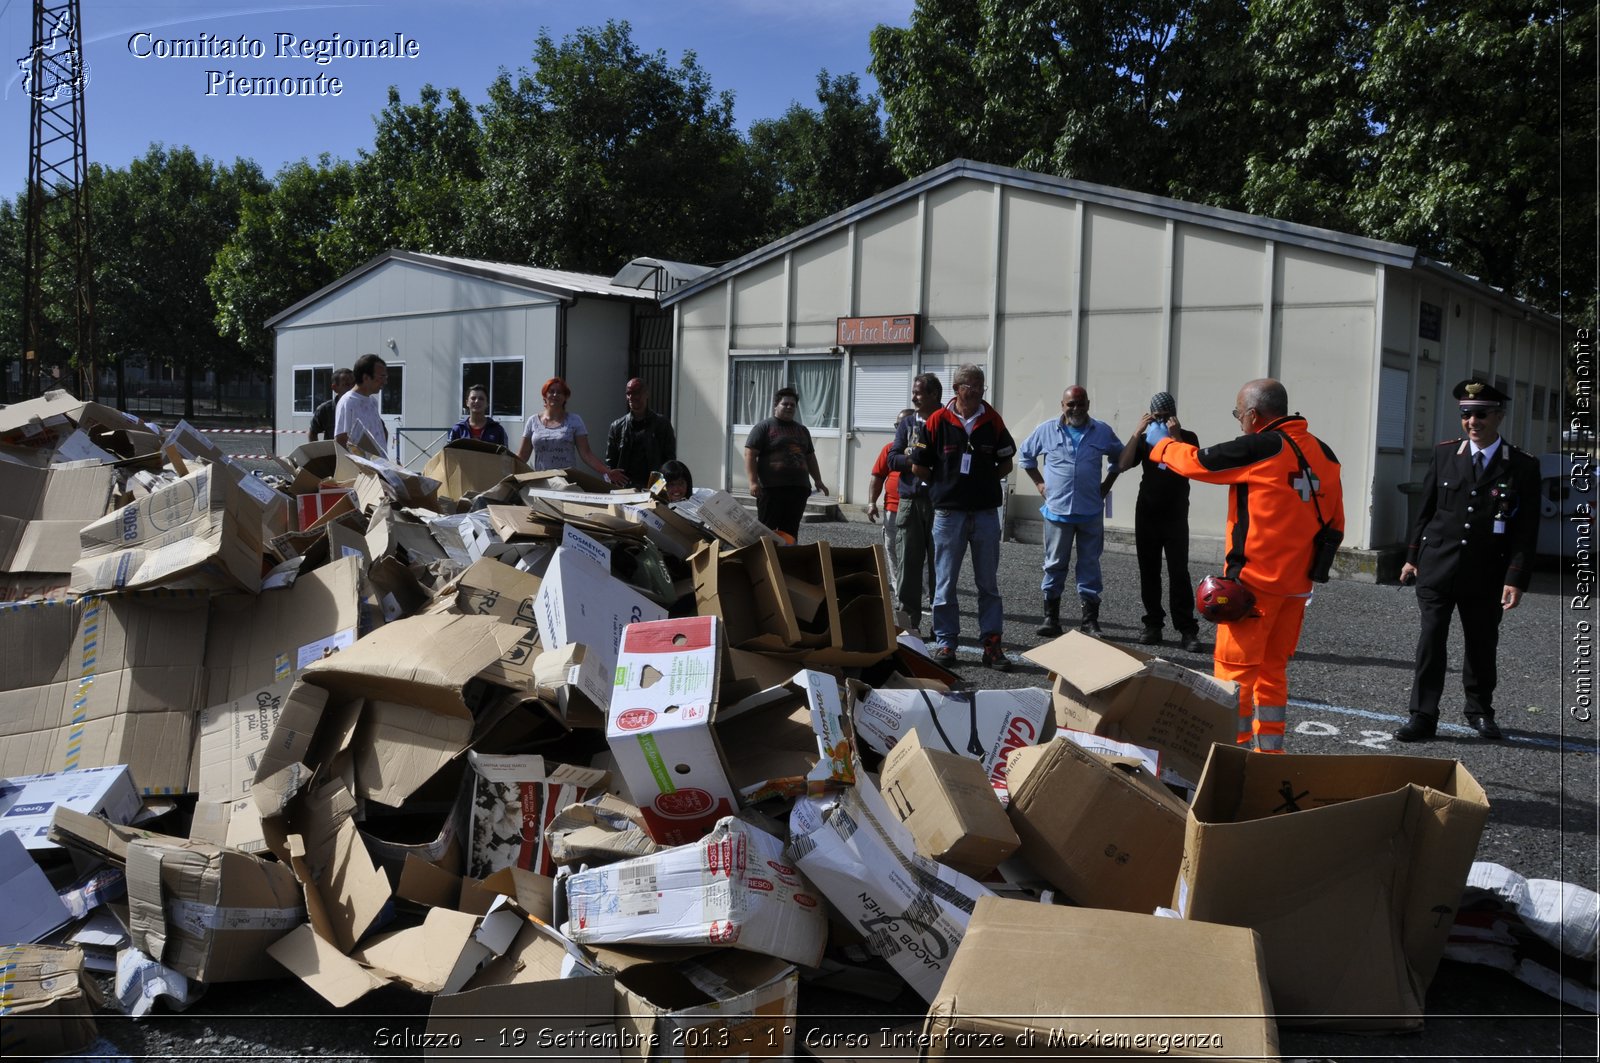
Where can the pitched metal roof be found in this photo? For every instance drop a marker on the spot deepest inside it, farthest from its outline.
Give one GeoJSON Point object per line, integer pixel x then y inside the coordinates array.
{"type": "Point", "coordinates": [1121, 198]}
{"type": "Point", "coordinates": [562, 284]}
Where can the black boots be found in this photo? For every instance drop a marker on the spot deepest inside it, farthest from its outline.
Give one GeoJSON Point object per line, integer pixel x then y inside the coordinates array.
{"type": "Point", "coordinates": [1051, 624]}
{"type": "Point", "coordinates": [1090, 625]}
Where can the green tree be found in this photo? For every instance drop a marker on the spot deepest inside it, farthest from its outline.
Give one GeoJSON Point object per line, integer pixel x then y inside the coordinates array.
{"type": "Point", "coordinates": [818, 162]}
{"type": "Point", "coordinates": [603, 152]}
{"type": "Point", "coordinates": [158, 226]}
{"type": "Point", "coordinates": [276, 255]}
{"type": "Point", "coordinates": [418, 189]}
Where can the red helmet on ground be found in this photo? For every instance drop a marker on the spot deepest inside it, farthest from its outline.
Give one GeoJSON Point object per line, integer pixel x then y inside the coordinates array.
{"type": "Point", "coordinates": [1222, 600]}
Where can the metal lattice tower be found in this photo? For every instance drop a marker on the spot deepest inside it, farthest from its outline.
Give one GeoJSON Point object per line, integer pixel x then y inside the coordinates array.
{"type": "Point", "coordinates": [57, 270]}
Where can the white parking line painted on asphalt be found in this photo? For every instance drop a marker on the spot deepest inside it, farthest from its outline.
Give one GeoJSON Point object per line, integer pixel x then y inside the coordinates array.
{"type": "Point", "coordinates": [1560, 745]}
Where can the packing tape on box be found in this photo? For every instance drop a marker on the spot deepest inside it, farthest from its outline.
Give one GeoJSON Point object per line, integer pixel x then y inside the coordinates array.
{"type": "Point", "coordinates": [197, 918]}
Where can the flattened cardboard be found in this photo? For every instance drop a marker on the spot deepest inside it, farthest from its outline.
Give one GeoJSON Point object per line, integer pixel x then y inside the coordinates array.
{"type": "Point", "coordinates": [414, 673]}
{"type": "Point", "coordinates": [202, 532]}
{"type": "Point", "coordinates": [1102, 831]}
{"type": "Point", "coordinates": [1100, 984]}
{"type": "Point", "coordinates": [28, 803]}
{"type": "Point", "coordinates": [329, 973]}
{"type": "Point", "coordinates": [947, 804]}
{"type": "Point", "coordinates": [1117, 691]}
{"type": "Point", "coordinates": [352, 892]}
{"type": "Point", "coordinates": [493, 588]}
{"type": "Point", "coordinates": [1368, 856]}
{"type": "Point", "coordinates": [42, 510]}
{"type": "Point", "coordinates": [733, 888]}
{"type": "Point", "coordinates": [32, 907]}
{"type": "Point", "coordinates": [102, 681]}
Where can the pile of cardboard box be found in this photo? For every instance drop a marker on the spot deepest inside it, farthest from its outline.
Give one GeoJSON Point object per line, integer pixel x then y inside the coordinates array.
{"type": "Point", "coordinates": [538, 748]}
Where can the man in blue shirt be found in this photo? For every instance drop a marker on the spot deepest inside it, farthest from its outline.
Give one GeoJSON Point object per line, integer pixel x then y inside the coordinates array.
{"type": "Point", "coordinates": [1064, 458]}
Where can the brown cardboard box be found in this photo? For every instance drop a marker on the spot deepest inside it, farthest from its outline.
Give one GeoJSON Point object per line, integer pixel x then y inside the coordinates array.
{"type": "Point", "coordinates": [1112, 690]}
{"type": "Point", "coordinates": [860, 608]}
{"type": "Point", "coordinates": [1100, 985]}
{"type": "Point", "coordinates": [947, 804]}
{"type": "Point", "coordinates": [203, 532]}
{"type": "Point", "coordinates": [50, 1002]}
{"type": "Point", "coordinates": [1100, 829]}
{"type": "Point", "coordinates": [208, 912]}
{"type": "Point", "coordinates": [493, 588]}
{"type": "Point", "coordinates": [466, 467]}
{"type": "Point", "coordinates": [745, 590]}
{"type": "Point", "coordinates": [737, 1006]}
{"type": "Point", "coordinates": [1351, 868]}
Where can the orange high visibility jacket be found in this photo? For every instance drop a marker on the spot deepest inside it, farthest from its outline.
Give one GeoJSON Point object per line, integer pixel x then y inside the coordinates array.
{"type": "Point", "coordinates": [1271, 519]}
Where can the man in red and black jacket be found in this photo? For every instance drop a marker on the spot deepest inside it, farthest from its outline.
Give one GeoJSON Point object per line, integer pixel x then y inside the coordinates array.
{"type": "Point", "coordinates": [964, 452]}
{"type": "Point", "coordinates": [1275, 509]}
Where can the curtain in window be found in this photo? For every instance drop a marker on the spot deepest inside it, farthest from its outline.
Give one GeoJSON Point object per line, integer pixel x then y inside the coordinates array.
{"type": "Point", "coordinates": [754, 381]}
{"type": "Point", "coordinates": [817, 381]}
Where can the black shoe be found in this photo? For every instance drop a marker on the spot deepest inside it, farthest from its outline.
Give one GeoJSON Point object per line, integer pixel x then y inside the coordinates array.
{"type": "Point", "coordinates": [1191, 641]}
{"type": "Point", "coordinates": [1486, 727]}
{"type": "Point", "coordinates": [1151, 636]}
{"type": "Point", "coordinates": [1419, 728]}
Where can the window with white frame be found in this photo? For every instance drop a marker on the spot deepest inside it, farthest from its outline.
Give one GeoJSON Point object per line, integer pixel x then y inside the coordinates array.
{"type": "Point", "coordinates": [313, 385]}
{"type": "Point", "coordinates": [503, 379]}
{"type": "Point", "coordinates": [392, 399]}
{"type": "Point", "coordinates": [756, 379]}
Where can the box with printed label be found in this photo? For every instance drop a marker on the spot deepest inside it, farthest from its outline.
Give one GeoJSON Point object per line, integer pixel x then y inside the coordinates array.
{"type": "Point", "coordinates": [514, 798]}
{"type": "Point", "coordinates": [985, 725]}
{"type": "Point", "coordinates": [580, 601]}
{"type": "Point", "coordinates": [732, 888]}
{"type": "Point", "coordinates": [29, 802]}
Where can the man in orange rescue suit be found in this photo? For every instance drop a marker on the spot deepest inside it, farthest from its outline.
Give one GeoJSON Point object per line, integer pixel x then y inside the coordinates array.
{"type": "Point", "coordinates": [1271, 524]}
{"type": "Point", "coordinates": [1471, 551]}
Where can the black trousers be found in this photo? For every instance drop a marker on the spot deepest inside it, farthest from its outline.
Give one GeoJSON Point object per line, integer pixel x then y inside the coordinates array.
{"type": "Point", "coordinates": [780, 508]}
{"type": "Point", "coordinates": [1480, 629]}
{"type": "Point", "coordinates": [1158, 531]}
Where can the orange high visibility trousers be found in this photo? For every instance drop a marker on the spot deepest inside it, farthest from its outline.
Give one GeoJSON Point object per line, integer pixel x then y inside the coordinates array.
{"type": "Point", "coordinates": [1254, 652]}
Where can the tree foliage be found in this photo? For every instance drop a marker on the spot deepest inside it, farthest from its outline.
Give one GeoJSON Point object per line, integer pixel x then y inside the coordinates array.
{"type": "Point", "coordinates": [603, 152]}
{"type": "Point", "coordinates": [815, 163]}
{"type": "Point", "coordinates": [282, 251]}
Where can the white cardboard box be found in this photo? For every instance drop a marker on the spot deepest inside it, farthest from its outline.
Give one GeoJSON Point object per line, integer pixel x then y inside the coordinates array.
{"type": "Point", "coordinates": [579, 601]}
{"type": "Point", "coordinates": [732, 888]}
{"type": "Point", "coordinates": [985, 725]}
{"type": "Point", "coordinates": [27, 802]}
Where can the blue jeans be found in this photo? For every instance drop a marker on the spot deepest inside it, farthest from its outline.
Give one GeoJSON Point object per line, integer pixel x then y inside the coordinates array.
{"type": "Point", "coordinates": [1058, 539]}
{"type": "Point", "coordinates": [953, 530]}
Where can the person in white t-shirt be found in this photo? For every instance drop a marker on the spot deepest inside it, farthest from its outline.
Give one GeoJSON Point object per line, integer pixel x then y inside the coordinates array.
{"type": "Point", "coordinates": [359, 412]}
{"type": "Point", "coordinates": [557, 438]}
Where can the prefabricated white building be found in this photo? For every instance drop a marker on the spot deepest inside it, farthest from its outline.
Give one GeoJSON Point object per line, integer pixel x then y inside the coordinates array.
{"type": "Point", "coordinates": [441, 323]}
{"type": "Point", "coordinates": [1046, 282]}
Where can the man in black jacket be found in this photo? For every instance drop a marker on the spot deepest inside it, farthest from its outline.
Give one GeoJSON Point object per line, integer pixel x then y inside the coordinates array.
{"type": "Point", "coordinates": [641, 440]}
{"type": "Point", "coordinates": [914, 522]}
{"type": "Point", "coordinates": [1471, 551]}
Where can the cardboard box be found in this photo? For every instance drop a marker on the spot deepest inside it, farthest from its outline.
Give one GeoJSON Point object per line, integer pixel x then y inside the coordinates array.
{"type": "Point", "coordinates": [466, 467]}
{"type": "Point", "coordinates": [28, 802]}
{"type": "Point", "coordinates": [731, 1006]}
{"type": "Point", "coordinates": [659, 727]}
{"type": "Point", "coordinates": [1102, 985]}
{"type": "Point", "coordinates": [208, 912]}
{"type": "Point", "coordinates": [201, 533]}
{"type": "Point", "coordinates": [579, 601]}
{"type": "Point", "coordinates": [947, 804]}
{"type": "Point", "coordinates": [732, 888]}
{"type": "Point", "coordinates": [909, 909]}
{"type": "Point", "coordinates": [564, 1018]}
{"type": "Point", "coordinates": [727, 519]}
{"type": "Point", "coordinates": [1102, 830]}
{"type": "Point", "coordinates": [744, 589]}
{"type": "Point", "coordinates": [570, 678]}
{"type": "Point", "coordinates": [1113, 690]}
{"type": "Point", "coordinates": [790, 739]}
{"type": "Point", "coordinates": [43, 509]}
{"type": "Point", "coordinates": [859, 606]}
{"type": "Point", "coordinates": [985, 725]}
{"type": "Point", "coordinates": [326, 503]}
{"type": "Point", "coordinates": [514, 798]}
{"type": "Point", "coordinates": [1364, 859]}
{"type": "Point", "coordinates": [493, 588]}
{"type": "Point", "coordinates": [50, 1002]}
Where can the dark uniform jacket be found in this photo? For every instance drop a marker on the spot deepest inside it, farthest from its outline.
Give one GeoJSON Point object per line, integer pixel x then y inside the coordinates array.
{"type": "Point", "coordinates": [943, 446]}
{"type": "Point", "coordinates": [641, 450]}
{"type": "Point", "coordinates": [1484, 533]}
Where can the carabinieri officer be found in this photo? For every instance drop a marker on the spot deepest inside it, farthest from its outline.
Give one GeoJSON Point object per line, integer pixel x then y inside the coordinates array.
{"type": "Point", "coordinates": [1471, 551]}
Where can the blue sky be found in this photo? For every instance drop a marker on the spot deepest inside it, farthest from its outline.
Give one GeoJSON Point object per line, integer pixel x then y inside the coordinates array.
{"type": "Point", "coordinates": [767, 52]}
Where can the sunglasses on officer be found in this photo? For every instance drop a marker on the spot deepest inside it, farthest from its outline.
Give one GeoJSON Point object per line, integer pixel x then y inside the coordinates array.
{"type": "Point", "coordinates": [1482, 413]}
